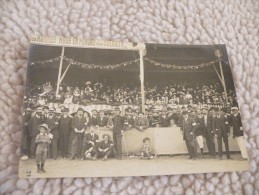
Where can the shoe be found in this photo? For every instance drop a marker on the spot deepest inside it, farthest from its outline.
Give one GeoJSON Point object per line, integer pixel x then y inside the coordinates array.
{"type": "Point", "coordinates": [105, 158]}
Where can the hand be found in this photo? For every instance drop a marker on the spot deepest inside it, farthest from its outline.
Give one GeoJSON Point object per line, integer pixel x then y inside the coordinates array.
{"type": "Point", "coordinates": [76, 130]}
{"type": "Point", "coordinates": [91, 142]}
{"type": "Point", "coordinates": [216, 129]}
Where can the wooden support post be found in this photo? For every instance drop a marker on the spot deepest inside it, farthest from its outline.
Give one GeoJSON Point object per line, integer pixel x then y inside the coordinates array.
{"type": "Point", "coordinates": [60, 70]}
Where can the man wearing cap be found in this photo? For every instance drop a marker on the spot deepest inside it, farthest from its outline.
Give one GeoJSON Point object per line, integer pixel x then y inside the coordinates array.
{"type": "Point", "coordinates": [33, 127]}
{"type": "Point", "coordinates": [79, 125]}
{"type": "Point", "coordinates": [105, 147]}
{"type": "Point", "coordinates": [188, 128]}
{"type": "Point", "coordinates": [64, 132]}
{"type": "Point", "coordinates": [117, 126]}
{"type": "Point", "coordinates": [42, 140]}
{"type": "Point", "coordinates": [221, 132]}
{"type": "Point", "coordinates": [236, 126]}
{"type": "Point", "coordinates": [53, 123]}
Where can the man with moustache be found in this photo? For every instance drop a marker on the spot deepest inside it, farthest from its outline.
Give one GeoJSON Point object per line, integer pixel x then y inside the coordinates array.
{"type": "Point", "coordinates": [141, 123]}
{"type": "Point", "coordinates": [78, 127]}
{"type": "Point", "coordinates": [102, 120]}
{"type": "Point", "coordinates": [64, 132]}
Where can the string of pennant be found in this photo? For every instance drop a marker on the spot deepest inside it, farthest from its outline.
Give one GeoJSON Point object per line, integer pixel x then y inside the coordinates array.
{"type": "Point", "coordinates": [123, 64]}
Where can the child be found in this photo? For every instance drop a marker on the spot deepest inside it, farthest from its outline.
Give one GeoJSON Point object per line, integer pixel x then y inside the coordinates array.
{"type": "Point", "coordinates": [146, 150]}
{"type": "Point", "coordinates": [42, 140]}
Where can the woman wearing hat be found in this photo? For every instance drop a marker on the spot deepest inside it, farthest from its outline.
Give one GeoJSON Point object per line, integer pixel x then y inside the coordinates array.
{"type": "Point", "coordinates": [42, 140]}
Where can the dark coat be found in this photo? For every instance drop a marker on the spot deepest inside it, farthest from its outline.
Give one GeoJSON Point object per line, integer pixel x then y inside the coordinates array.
{"type": "Point", "coordinates": [65, 126]}
{"type": "Point", "coordinates": [102, 145]}
{"type": "Point", "coordinates": [102, 122]}
{"type": "Point", "coordinates": [164, 122]}
{"type": "Point", "coordinates": [188, 127]}
{"type": "Point", "coordinates": [87, 138]}
{"type": "Point", "coordinates": [235, 121]}
{"type": "Point", "coordinates": [220, 126]}
{"type": "Point", "coordinates": [94, 120]}
{"type": "Point", "coordinates": [118, 122]}
{"type": "Point", "coordinates": [143, 122]}
{"type": "Point", "coordinates": [53, 126]}
{"type": "Point", "coordinates": [200, 125]}
{"type": "Point", "coordinates": [33, 125]}
{"type": "Point", "coordinates": [78, 123]}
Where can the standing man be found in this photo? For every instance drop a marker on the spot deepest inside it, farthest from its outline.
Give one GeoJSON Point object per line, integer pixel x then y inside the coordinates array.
{"type": "Point", "coordinates": [117, 124]}
{"type": "Point", "coordinates": [64, 132]}
{"type": "Point", "coordinates": [25, 149]}
{"type": "Point", "coordinates": [236, 125]}
{"type": "Point", "coordinates": [79, 125]}
{"type": "Point", "coordinates": [52, 123]}
{"type": "Point", "coordinates": [33, 127]}
{"type": "Point", "coordinates": [200, 129]}
{"type": "Point", "coordinates": [164, 120]}
{"type": "Point", "coordinates": [141, 123]}
{"type": "Point", "coordinates": [95, 118]}
{"type": "Point", "coordinates": [209, 131]}
{"type": "Point", "coordinates": [102, 120]}
{"type": "Point", "coordinates": [221, 132]}
{"type": "Point", "coordinates": [188, 130]}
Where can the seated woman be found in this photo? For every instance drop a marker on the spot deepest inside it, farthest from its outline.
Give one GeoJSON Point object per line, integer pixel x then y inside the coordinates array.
{"type": "Point", "coordinates": [105, 148]}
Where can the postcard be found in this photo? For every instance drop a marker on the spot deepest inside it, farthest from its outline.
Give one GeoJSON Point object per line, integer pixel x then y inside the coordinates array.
{"type": "Point", "coordinates": [110, 109]}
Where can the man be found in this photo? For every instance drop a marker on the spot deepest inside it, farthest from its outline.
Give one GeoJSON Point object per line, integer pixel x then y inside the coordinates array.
{"type": "Point", "coordinates": [102, 120]}
{"type": "Point", "coordinates": [141, 123]}
{"type": "Point", "coordinates": [64, 132]}
{"type": "Point", "coordinates": [221, 133]}
{"type": "Point", "coordinates": [33, 127]}
{"type": "Point", "coordinates": [25, 149]}
{"type": "Point", "coordinates": [94, 118]}
{"type": "Point", "coordinates": [164, 120]}
{"type": "Point", "coordinates": [209, 130]}
{"type": "Point", "coordinates": [105, 148]}
{"type": "Point", "coordinates": [199, 119]}
{"type": "Point", "coordinates": [79, 125]}
{"type": "Point", "coordinates": [236, 126]}
{"type": "Point", "coordinates": [129, 122]}
{"type": "Point", "coordinates": [89, 149]}
{"type": "Point", "coordinates": [188, 127]}
{"type": "Point", "coordinates": [52, 123]}
{"type": "Point", "coordinates": [117, 126]}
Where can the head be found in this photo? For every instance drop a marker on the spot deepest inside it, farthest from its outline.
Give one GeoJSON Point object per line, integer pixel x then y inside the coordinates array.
{"type": "Point", "coordinates": [198, 111]}
{"type": "Point", "coordinates": [43, 128]}
{"type": "Point", "coordinates": [94, 112]}
{"type": "Point", "coordinates": [117, 111]}
{"type": "Point", "coordinates": [106, 137]}
{"type": "Point", "coordinates": [92, 129]}
{"type": "Point", "coordinates": [172, 122]}
{"type": "Point", "coordinates": [146, 140]}
{"type": "Point", "coordinates": [185, 114]}
{"type": "Point", "coordinates": [101, 113]}
{"type": "Point", "coordinates": [141, 115]}
{"type": "Point", "coordinates": [235, 111]}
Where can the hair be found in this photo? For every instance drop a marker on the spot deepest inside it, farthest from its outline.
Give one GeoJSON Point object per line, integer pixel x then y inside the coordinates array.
{"type": "Point", "coordinates": [146, 139]}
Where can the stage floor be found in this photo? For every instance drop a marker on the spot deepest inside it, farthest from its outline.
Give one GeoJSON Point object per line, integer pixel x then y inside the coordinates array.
{"type": "Point", "coordinates": [131, 166]}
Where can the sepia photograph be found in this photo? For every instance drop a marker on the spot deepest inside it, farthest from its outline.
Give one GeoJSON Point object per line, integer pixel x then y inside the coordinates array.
{"type": "Point", "coordinates": [109, 109]}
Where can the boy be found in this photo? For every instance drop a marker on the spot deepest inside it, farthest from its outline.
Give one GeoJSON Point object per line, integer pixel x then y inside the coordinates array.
{"type": "Point", "coordinates": [146, 150]}
{"type": "Point", "coordinates": [42, 140]}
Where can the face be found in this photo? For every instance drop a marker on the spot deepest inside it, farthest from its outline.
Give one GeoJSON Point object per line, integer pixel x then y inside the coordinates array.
{"type": "Point", "coordinates": [102, 114]}
{"type": "Point", "coordinates": [80, 113]}
{"type": "Point", "coordinates": [172, 122]}
{"type": "Point", "coordinates": [235, 112]}
{"type": "Point", "coordinates": [94, 112]}
{"type": "Point", "coordinates": [106, 138]}
{"type": "Point", "coordinates": [198, 112]}
{"type": "Point", "coordinates": [140, 115]}
{"type": "Point", "coordinates": [42, 130]}
{"type": "Point", "coordinates": [92, 130]}
{"type": "Point", "coordinates": [117, 112]}
{"type": "Point", "coordinates": [51, 114]}
{"type": "Point", "coordinates": [185, 116]}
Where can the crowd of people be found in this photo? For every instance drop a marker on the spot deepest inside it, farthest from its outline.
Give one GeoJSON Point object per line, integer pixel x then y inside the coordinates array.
{"type": "Point", "coordinates": [157, 94]}
{"type": "Point", "coordinates": [48, 134]}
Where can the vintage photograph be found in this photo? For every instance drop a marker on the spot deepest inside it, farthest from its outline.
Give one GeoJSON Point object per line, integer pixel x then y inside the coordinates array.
{"type": "Point", "coordinates": [103, 109]}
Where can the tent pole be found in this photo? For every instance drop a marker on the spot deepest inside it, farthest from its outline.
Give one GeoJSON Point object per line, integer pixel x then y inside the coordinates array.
{"type": "Point", "coordinates": [60, 69]}
{"type": "Point", "coordinates": [65, 72]}
{"type": "Point", "coordinates": [142, 80]}
{"type": "Point", "coordinates": [223, 81]}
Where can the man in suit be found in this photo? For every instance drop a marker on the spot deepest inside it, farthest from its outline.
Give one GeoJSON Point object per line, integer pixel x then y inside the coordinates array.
{"type": "Point", "coordinates": [78, 127]}
{"type": "Point", "coordinates": [94, 118]}
{"type": "Point", "coordinates": [53, 123]}
{"type": "Point", "coordinates": [129, 122]}
{"type": "Point", "coordinates": [105, 147]}
{"type": "Point", "coordinates": [102, 119]}
{"type": "Point", "coordinates": [117, 127]}
{"type": "Point", "coordinates": [221, 132]}
{"type": "Point", "coordinates": [141, 123]}
{"type": "Point", "coordinates": [25, 149]}
{"type": "Point", "coordinates": [199, 119]}
{"type": "Point", "coordinates": [188, 127]}
{"type": "Point", "coordinates": [89, 149]}
{"type": "Point", "coordinates": [64, 132]}
{"type": "Point", "coordinates": [209, 130]}
{"type": "Point", "coordinates": [236, 125]}
{"type": "Point", "coordinates": [164, 120]}
{"type": "Point", "coordinates": [33, 127]}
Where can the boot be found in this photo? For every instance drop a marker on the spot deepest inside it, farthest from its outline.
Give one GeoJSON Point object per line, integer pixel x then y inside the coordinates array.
{"type": "Point", "coordinates": [38, 168]}
{"type": "Point", "coordinates": [42, 168]}
{"type": "Point", "coordinates": [201, 151]}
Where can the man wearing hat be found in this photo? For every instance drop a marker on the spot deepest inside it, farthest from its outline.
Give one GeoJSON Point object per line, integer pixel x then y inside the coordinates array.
{"type": "Point", "coordinates": [79, 125]}
{"type": "Point", "coordinates": [25, 149]}
{"type": "Point", "coordinates": [52, 122]}
{"type": "Point", "coordinates": [94, 118]}
{"type": "Point", "coordinates": [105, 147]}
{"type": "Point", "coordinates": [117, 127]}
{"type": "Point", "coordinates": [42, 140]}
{"type": "Point", "coordinates": [102, 120]}
{"type": "Point", "coordinates": [188, 128]}
{"type": "Point", "coordinates": [236, 125]}
{"type": "Point", "coordinates": [33, 126]}
{"type": "Point", "coordinates": [64, 132]}
{"type": "Point", "coordinates": [221, 132]}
